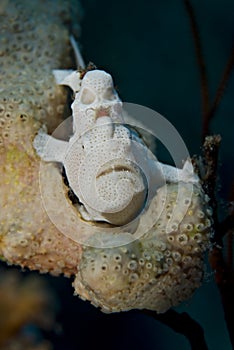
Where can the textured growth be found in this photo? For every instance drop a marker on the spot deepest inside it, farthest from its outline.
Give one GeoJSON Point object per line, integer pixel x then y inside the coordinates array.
{"type": "Point", "coordinates": [160, 269]}
{"type": "Point", "coordinates": [34, 40]}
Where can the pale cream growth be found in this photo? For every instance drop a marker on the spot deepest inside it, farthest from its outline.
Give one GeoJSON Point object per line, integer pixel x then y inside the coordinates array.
{"type": "Point", "coordinates": [34, 41]}
{"type": "Point", "coordinates": [155, 272]}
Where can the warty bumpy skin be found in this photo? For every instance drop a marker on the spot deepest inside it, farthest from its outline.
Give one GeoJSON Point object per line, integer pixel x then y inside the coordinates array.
{"type": "Point", "coordinates": [105, 162]}
{"type": "Point", "coordinates": [99, 138]}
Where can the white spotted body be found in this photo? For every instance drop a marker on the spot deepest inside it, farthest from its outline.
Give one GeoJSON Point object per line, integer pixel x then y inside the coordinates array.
{"type": "Point", "coordinates": [153, 262]}
{"type": "Point", "coordinates": [108, 168]}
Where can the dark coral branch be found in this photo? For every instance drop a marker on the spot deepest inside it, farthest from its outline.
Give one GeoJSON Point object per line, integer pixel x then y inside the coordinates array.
{"type": "Point", "coordinates": [208, 165]}
{"type": "Point", "coordinates": [182, 323]}
{"type": "Point", "coordinates": [201, 65]}
{"type": "Point", "coordinates": [222, 86]}
{"type": "Point", "coordinates": [208, 109]}
{"type": "Point", "coordinates": [224, 277]}
{"type": "Point", "coordinates": [210, 151]}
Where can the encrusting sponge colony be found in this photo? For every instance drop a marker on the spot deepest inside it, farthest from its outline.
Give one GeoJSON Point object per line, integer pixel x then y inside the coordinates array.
{"type": "Point", "coordinates": [156, 271]}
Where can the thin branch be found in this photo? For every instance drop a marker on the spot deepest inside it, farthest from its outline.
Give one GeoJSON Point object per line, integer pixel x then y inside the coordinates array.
{"type": "Point", "coordinates": [208, 168]}
{"type": "Point", "coordinates": [210, 153]}
{"type": "Point", "coordinates": [208, 109]}
{"type": "Point", "coordinates": [201, 65]}
{"type": "Point", "coordinates": [224, 274]}
{"type": "Point", "coordinates": [183, 324]}
{"type": "Point", "coordinates": [224, 278]}
{"type": "Point", "coordinates": [222, 86]}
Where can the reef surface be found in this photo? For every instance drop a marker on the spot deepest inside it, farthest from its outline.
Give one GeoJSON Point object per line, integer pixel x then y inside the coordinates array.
{"type": "Point", "coordinates": [34, 41]}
